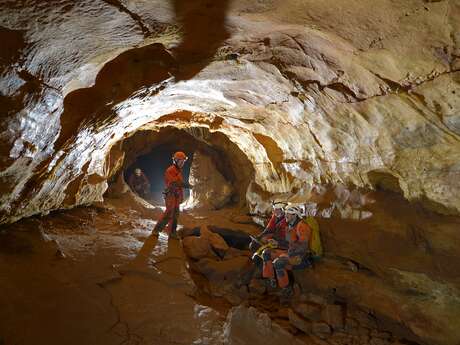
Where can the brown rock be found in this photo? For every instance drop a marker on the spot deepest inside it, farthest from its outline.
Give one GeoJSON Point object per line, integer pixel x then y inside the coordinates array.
{"type": "Point", "coordinates": [315, 298]}
{"type": "Point", "coordinates": [321, 329]}
{"type": "Point", "coordinates": [300, 323]}
{"type": "Point", "coordinates": [210, 189]}
{"type": "Point", "coordinates": [380, 334]}
{"type": "Point", "coordinates": [219, 271]}
{"type": "Point", "coordinates": [242, 219]}
{"type": "Point", "coordinates": [207, 244]}
{"type": "Point", "coordinates": [233, 299]}
{"type": "Point", "coordinates": [309, 311]}
{"type": "Point", "coordinates": [196, 247]}
{"type": "Point", "coordinates": [283, 313]}
{"type": "Point", "coordinates": [215, 240]}
{"type": "Point", "coordinates": [333, 314]}
{"type": "Point", "coordinates": [234, 252]}
{"type": "Point", "coordinates": [257, 286]}
{"type": "Point", "coordinates": [378, 341]}
{"type": "Point", "coordinates": [60, 254]}
{"type": "Point", "coordinates": [248, 326]}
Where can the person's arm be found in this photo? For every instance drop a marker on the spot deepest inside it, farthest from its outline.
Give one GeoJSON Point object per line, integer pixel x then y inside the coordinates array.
{"type": "Point", "coordinates": [300, 246]}
{"type": "Point", "coordinates": [270, 228]}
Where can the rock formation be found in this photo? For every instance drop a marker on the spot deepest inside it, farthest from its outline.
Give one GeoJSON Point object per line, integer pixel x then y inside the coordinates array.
{"type": "Point", "coordinates": [210, 189]}
{"type": "Point", "coordinates": [350, 106]}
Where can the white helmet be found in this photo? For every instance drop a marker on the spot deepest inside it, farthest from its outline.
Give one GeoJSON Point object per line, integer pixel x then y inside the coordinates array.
{"type": "Point", "coordinates": [279, 205]}
{"type": "Point", "coordinates": [294, 210]}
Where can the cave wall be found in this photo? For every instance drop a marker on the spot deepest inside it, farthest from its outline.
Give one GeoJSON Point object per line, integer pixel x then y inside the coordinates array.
{"type": "Point", "coordinates": [319, 93]}
{"type": "Point", "coordinates": [300, 94]}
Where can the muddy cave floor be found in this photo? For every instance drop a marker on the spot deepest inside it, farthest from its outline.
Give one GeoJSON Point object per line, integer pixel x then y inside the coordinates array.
{"type": "Point", "coordinates": [95, 275]}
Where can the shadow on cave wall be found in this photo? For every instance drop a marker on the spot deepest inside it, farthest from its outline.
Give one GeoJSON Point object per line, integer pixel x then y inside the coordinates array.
{"type": "Point", "coordinates": [203, 30]}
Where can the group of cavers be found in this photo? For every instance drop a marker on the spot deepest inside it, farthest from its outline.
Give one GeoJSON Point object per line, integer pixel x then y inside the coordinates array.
{"type": "Point", "coordinates": [290, 241]}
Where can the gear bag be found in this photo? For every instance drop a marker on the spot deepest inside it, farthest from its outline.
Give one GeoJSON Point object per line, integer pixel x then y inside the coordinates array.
{"type": "Point", "coordinates": [315, 245]}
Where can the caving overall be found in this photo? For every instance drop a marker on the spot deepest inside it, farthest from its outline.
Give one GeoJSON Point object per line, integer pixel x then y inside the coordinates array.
{"type": "Point", "coordinates": [295, 257]}
{"type": "Point", "coordinates": [275, 229]}
{"type": "Point", "coordinates": [174, 195]}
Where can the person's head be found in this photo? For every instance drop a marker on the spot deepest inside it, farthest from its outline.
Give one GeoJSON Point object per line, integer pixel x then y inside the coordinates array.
{"type": "Point", "coordinates": [179, 159]}
{"type": "Point", "coordinates": [278, 208]}
{"type": "Point", "coordinates": [137, 171]}
{"type": "Point", "coordinates": [293, 213]}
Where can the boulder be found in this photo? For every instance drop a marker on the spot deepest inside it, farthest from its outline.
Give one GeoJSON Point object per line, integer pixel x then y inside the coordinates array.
{"type": "Point", "coordinates": [248, 326]}
{"type": "Point", "coordinates": [299, 323]}
{"type": "Point", "coordinates": [257, 287]}
{"type": "Point", "coordinates": [334, 315]}
{"type": "Point", "coordinates": [215, 240]}
{"type": "Point", "coordinates": [196, 247]}
{"type": "Point", "coordinates": [208, 244]}
{"type": "Point", "coordinates": [321, 329]}
{"type": "Point", "coordinates": [210, 189]}
{"type": "Point", "coordinates": [309, 311]}
{"type": "Point", "coordinates": [219, 271]}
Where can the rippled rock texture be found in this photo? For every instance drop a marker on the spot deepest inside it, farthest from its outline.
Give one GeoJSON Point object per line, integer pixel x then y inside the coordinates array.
{"type": "Point", "coordinates": [308, 92]}
{"type": "Point", "coordinates": [295, 94]}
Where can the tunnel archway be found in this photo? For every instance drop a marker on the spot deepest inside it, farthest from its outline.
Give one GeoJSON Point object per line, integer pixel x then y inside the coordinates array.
{"type": "Point", "coordinates": [214, 161]}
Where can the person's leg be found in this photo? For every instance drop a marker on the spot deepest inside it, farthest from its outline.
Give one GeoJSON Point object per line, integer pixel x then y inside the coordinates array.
{"type": "Point", "coordinates": [267, 268]}
{"type": "Point", "coordinates": [166, 216]}
{"type": "Point", "coordinates": [164, 219]}
{"type": "Point", "coordinates": [172, 225]}
{"type": "Point", "coordinates": [281, 265]}
{"type": "Point", "coordinates": [254, 246]}
{"type": "Point", "coordinates": [268, 271]}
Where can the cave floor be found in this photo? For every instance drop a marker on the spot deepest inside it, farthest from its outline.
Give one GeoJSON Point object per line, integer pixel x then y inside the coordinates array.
{"type": "Point", "coordinates": [96, 276]}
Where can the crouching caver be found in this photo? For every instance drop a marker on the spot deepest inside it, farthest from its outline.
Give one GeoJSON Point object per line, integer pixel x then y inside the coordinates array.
{"type": "Point", "coordinates": [173, 194]}
{"type": "Point", "coordinates": [274, 233]}
{"type": "Point", "coordinates": [278, 261]}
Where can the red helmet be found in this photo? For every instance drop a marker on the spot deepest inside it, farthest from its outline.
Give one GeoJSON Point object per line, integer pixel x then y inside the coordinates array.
{"type": "Point", "coordinates": [180, 155]}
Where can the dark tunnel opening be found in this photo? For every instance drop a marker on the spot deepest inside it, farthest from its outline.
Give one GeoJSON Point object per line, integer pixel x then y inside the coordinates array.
{"type": "Point", "coordinates": [154, 164]}
{"type": "Point", "coordinates": [214, 161]}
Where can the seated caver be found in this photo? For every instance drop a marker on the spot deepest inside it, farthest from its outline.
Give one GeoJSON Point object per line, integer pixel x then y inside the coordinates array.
{"type": "Point", "coordinates": [295, 256]}
{"type": "Point", "coordinates": [275, 229]}
{"type": "Point", "coordinates": [274, 234]}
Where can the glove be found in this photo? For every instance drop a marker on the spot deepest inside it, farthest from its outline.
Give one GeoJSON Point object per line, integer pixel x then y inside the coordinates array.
{"type": "Point", "coordinates": [273, 242]}
{"type": "Point", "coordinates": [295, 260]}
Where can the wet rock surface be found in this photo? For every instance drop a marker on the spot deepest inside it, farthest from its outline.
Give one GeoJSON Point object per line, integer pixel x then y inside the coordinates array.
{"type": "Point", "coordinates": [116, 284]}
{"type": "Point", "coordinates": [306, 95]}
{"type": "Point", "coordinates": [210, 189]}
{"type": "Point", "coordinates": [106, 280]}
{"type": "Point", "coordinates": [330, 103]}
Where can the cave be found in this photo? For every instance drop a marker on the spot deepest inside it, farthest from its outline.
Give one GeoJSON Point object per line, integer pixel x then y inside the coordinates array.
{"type": "Point", "coordinates": [348, 110]}
{"type": "Point", "coordinates": [209, 166]}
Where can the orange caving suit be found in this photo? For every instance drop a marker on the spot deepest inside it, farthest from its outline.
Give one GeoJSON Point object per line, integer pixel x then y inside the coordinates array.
{"type": "Point", "coordinates": [174, 195]}
{"type": "Point", "coordinates": [280, 260]}
{"type": "Point", "coordinates": [276, 229]}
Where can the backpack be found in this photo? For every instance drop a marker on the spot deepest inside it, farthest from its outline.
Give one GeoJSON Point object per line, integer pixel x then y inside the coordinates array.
{"type": "Point", "coordinates": [315, 241]}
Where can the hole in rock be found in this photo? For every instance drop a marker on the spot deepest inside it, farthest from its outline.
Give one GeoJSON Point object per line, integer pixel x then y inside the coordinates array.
{"type": "Point", "coordinates": [210, 169]}
{"type": "Point", "coordinates": [153, 165]}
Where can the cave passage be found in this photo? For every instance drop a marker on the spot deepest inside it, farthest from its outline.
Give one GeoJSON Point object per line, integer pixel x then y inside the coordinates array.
{"type": "Point", "coordinates": [210, 168]}
{"type": "Point", "coordinates": [154, 164]}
